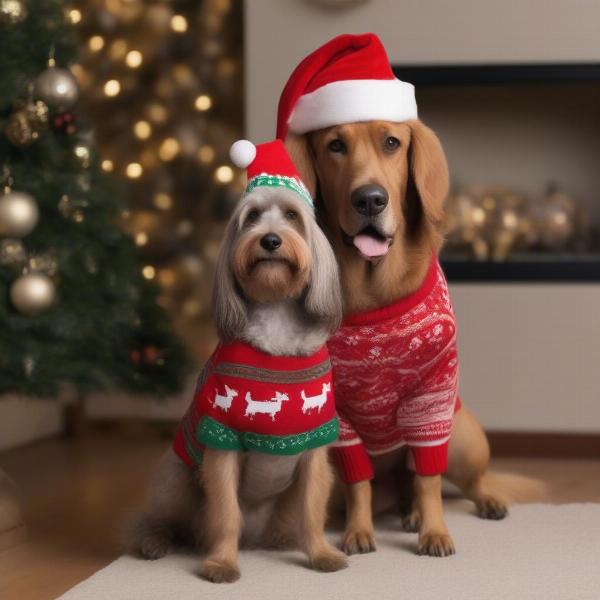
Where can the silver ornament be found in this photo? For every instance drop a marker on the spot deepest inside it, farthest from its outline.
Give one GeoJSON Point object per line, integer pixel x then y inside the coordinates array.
{"type": "Point", "coordinates": [19, 214]}
{"type": "Point", "coordinates": [32, 293]}
{"type": "Point", "coordinates": [57, 88]}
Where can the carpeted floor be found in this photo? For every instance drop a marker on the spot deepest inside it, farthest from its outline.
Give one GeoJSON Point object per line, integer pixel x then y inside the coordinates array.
{"type": "Point", "coordinates": [545, 552]}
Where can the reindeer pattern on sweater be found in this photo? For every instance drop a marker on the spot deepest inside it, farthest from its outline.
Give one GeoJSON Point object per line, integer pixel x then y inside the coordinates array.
{"type": "Point", "coordinates": [247, 400]}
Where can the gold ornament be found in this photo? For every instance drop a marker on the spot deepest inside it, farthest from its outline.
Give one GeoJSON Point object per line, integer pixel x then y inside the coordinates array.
{"type": "Point", "coordinates": [12, 253]}
{"type": "Point", "coordinates": [18, 214]}
{"type": "Point", "coordinates": [18, 130]}
{"type": "Point", "coordinates": [557, 218]}
{"type": "Point", "coordinates": [43, 263]}
{"type": "Point", "coordinates": [57, 87]}
{"type": "Point", "coordinates": [491, 222]}
{"type": "Point", "coordinates": [12, 12]}
{"type": "Point", "coordinates": [27, 123]}
{"type": "Point", "coordinates": [32, 293]}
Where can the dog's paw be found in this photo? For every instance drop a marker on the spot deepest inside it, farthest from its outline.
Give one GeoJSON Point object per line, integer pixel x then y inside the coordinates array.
{"type": "Point", "coordinates": [411, 521]}
{"type": "Point", "coordinates": [329, 560]}
{"type": "Point", "coordinates": [358, 541]}
{"type": "Point", "coordinates": [490, 508]}
{"type": "Point", "coordinates": [436, 544]}
{"type": "Point", "coordinates": [154, 546]}
{"type": "Point", "coordinates": [146, 537]}
{"type": "Point", "coordinates": [219, 571]}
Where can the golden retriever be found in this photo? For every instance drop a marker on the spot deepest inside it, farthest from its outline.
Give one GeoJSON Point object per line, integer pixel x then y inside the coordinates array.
{"type": "Point", "coordinates": [407, 162]}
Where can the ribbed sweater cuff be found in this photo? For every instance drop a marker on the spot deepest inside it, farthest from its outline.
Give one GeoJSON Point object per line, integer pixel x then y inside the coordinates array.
{"type": "Point", "coordinates": [430, 460]}
{"type": "Point", "coordinates": [353, 463]}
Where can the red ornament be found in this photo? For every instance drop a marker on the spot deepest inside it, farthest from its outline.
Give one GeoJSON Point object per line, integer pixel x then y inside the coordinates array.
{"type": "Point", "coordinates": [64, 123]}
{"type": "Point", "coordinates": [136, 357]}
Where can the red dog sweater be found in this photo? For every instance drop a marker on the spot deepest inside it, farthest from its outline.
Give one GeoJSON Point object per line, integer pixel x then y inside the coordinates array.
{"type": "Point", "coordinates": [396, 379]}
{"type": "Point", "coordinates": [248, 400]}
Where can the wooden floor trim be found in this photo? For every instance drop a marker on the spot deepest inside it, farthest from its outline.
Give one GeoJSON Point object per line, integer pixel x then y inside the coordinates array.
{"type": "Point", "coordinates": [545, 444]}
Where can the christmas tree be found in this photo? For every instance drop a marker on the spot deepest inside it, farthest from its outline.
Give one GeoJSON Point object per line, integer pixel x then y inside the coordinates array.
{"type": "Point", "coordinates": [75, 306]}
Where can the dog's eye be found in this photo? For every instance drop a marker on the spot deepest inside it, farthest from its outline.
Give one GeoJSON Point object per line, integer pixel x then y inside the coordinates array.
{"type": "Point", "coordinates": [252, 215]}
{"type": "Point", "coordinates": [291, 215]}
{"type": "Point", "coordinates": [336, 146]}
{"type": "Point", "coordinates": [391, 144]}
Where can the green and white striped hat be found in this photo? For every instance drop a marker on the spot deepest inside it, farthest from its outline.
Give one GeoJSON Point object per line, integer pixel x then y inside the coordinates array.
{"type": "Point", "coordinates": [268, 165]}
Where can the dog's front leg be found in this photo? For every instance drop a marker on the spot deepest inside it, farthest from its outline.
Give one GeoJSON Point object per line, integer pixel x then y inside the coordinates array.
{"type": "Point", "coordinates": [315, 480]}
{"type": "Point", "coordinates": [359, 535]}
{"type": "Point", "coordinates": [434, 539]}
{"type": "Point", "coordinates": [220, 478]}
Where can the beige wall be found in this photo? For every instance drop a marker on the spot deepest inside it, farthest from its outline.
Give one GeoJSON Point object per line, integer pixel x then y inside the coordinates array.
{"type": "Point", "coordinates": [530, 354]}
{"type": "Point", "coordinates": [280, 32]}
{"type": "Point", "coordinates": [534, 134]}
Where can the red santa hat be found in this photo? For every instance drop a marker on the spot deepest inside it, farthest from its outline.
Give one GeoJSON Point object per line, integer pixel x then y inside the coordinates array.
{"type": "Point", "coordinates": [268, 165]}
{"type": "Point", "coordinates": [348, 79]}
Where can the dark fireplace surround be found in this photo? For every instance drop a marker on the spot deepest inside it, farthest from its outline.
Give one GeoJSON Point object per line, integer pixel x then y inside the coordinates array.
{"type": "Point", "coordinates": [557, 269]}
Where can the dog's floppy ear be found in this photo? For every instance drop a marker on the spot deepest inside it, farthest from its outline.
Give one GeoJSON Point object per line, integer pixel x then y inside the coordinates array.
{"type": "Point", "coordinates": [324, 295]}
{"type": "Point", "coordinates": [299, 150]}
{"type": "Point", "coordinates": [229, 307]}
{"type": "Point", "coordinates": [428, 171]}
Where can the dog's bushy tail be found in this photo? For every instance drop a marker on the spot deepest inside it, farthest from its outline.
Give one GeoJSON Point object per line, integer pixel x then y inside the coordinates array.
{"type": "Point", "coordinates": [510, 488]}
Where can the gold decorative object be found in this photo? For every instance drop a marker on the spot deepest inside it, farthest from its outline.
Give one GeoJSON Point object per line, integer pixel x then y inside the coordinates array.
{"type": "Point", "coordinates": [557, 217]}
{"type": "Point", "coordinates": [12, 253]}
{"type": "Point", "coordinates": [27, 123]}
{"type": "Point", "coordinates": [492, 222]}
{"type": "Point", "coordinates": [46, 263]}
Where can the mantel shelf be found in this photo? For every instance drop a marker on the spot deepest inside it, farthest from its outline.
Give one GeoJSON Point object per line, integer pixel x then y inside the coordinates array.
{"type": "Point", "coordinates": [496, 74]}
{"type": "Point", "coordinates": [522, 271]}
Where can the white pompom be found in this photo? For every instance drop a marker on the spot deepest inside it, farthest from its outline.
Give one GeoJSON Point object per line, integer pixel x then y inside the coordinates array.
{"type": "Point", "coordinates": [242, 153]}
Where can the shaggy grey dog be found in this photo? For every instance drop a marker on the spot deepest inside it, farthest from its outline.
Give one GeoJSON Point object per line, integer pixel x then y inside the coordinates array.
{"type": "Point", "coordinates": [277, 288]}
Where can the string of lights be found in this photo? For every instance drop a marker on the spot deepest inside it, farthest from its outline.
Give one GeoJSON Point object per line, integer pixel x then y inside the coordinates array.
{"type": "Point", "coordinates": [162, 81]}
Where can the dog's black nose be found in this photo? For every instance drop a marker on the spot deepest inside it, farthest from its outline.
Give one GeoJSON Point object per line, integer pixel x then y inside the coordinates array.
{"type": "Point", "coordinates": [270, 241]}
{"type": "Point", "coordinates": [369, 200]}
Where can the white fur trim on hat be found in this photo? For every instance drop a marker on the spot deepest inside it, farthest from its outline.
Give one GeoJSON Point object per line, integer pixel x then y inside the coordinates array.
{"type": "Point", "coordinates": [242, 153]}
{"type": "Point", "coordinates": [354, 100]}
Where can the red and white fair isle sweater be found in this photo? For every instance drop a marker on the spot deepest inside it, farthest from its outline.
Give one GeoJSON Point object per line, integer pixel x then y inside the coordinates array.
{"type": "Point", "coordinates": [395, 373]}
{"type": "Point", "coordinates": [247, 400]}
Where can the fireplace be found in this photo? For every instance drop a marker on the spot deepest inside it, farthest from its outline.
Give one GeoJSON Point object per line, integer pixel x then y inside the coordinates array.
{"type": "Point", "coordinates": [523, 145]}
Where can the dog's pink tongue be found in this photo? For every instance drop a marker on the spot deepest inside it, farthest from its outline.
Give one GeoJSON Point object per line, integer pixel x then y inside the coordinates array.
{"type": "Point", "coordinates": [371, 247]}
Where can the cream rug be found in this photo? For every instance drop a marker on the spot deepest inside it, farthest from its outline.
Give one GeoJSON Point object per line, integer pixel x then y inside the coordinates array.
{"type": "Point", "coordinates": [540, 552]}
